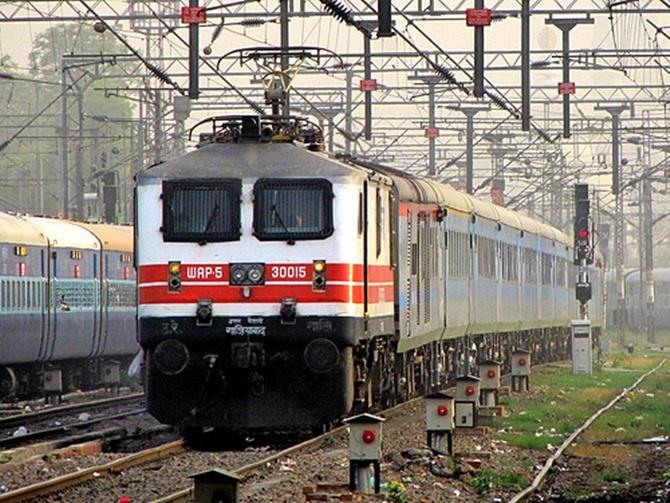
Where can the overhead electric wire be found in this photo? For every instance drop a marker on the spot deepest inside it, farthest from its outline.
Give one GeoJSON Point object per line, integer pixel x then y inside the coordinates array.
{"type": "Point", "coordinates": [212, 67]}
{"type": "Point", "coordinates": [157, 72]}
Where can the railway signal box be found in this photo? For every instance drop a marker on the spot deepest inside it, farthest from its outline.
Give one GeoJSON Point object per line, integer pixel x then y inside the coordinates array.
{"type": "Point", "coordinates": [365, 448]}
{"type": "Point", "coordinates": [467, 388]}
{"type": "Point", "coordinates": [520, 370]}
{"type": "Point", "coordinates": [439, 412]}
{"type": "Point", "coordinates": [489, 373]}
{"type": "Point", "coordinates": [215, 485]}
{"type": "Point", "coordinates": [467, 401]}
{"type": "Point", "coordinates": [439, 420]}
{"type": "Point", "coordinates": [582, 349]}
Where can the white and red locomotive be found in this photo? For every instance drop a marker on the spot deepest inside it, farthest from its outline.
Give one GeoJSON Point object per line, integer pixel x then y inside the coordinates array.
{"type": "Point", "coordinates": [280, 288]}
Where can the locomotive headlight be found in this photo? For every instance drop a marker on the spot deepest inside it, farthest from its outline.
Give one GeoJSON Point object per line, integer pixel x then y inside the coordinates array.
{"type": "Point", "coordinates": [175, 267]}
{"type": "Point", "coordinates": [256, 273]}
{"type": "Point", "coordinates": [319, 266]}
{"type": "Point", "coordinates": [238, 274]}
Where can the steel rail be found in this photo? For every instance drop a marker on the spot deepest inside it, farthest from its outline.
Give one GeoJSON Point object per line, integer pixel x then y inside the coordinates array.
{"type": "Point", "coordinates": [185, 494]}
{"type": "Point", "coordinates": [59, 483]}
{"type": "Point", "coordinates": [539, 478]}
{"type": "Point", "coordinates": [18, 419]}
{"type": "Point", "coordinates": [65, 428]}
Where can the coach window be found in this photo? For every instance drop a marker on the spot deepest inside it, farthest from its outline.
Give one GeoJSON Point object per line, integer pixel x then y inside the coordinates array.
{"type": "Point", "coordinates": [293, 209]}
{"type": "Point", "coordinates": [201, 211]}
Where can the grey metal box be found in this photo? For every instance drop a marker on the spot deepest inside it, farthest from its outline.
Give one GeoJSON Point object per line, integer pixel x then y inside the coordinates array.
{"type": "Point", "coordinates": [521, 362]}
{"type": "Point", "coordinates": [439, 412]}
{"type": "Point", "coordinates": [467, 388]}
{"type": "Point", "coordinates": [465, 414]}
{"type": "Point", "coordinates": [489, 373]}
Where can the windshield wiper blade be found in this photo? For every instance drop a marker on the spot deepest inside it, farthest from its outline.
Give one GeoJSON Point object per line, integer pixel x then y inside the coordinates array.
{"type": "Point", "coordinates": [210, 221]}
{"type": "Point", "coordinates": [275, 212]}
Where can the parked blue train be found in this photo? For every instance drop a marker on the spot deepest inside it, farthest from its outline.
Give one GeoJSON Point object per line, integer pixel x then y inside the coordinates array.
{"type": "Point", "coordinates": [67, 300]}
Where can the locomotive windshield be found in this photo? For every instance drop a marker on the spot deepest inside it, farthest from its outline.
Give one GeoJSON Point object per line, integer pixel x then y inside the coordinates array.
{"type": "Point", "coordinates": [293, 209]}
{"type": "Point", "coordinates": [201, 211]}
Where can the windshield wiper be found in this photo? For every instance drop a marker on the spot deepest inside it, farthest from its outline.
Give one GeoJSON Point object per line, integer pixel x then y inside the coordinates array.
{"type": "Point", "coordinates": [275, 212]}
{"type": "Point", "coordinates": [210, 221]}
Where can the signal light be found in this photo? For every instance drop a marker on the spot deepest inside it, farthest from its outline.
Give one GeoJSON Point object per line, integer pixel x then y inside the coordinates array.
{"type": "Point", "coordinates": [491, 374]}
{"type": "Point", "coordinates": [470, 390]}
{"type": "Point", "coordinates": [174, 276]}
{"type": "Point", "coordinates": [522, 362]}
{"type": "Point", "coordinates": [369, 436]}
{"type": "Point", "coordinates": [319, 275]}
{"type": "Point", "coordinates": [442, 410]}
{"type": "Point", "coordinates": [583, 234]}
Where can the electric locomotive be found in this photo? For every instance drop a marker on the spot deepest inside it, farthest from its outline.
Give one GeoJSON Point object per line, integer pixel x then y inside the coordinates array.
{"type": "Point", "coordinates": [280, 287]}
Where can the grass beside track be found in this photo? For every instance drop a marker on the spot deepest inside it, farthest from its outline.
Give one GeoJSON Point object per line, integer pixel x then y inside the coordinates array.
{"type": "Point", "coordinates": [559, 401]}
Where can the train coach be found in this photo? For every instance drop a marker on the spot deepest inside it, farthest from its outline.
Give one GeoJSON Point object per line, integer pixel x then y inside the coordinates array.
{"type": "Point", "coordinates": [282, 288]}
{"type": "Point", "coordinates": [635, 300]}
{"type": "Point", "coordinates": [67, 301]}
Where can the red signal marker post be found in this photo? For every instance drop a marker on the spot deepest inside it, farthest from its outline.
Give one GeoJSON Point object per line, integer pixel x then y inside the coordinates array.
{"type": "Point", "coordinates": [431, 132]}
{"type": "Point", "coordinates": [566, 88]}
{"type": "Point", "coordinates": [193, 15]}
{"type": "Point", "coordinates": [478, 17]}
{"type": "Point", "coordinates": [368, 85]}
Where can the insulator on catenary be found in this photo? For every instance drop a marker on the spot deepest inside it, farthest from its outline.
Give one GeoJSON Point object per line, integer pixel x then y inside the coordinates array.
{"type": "Point", "coordinates": [338, 11]}
{"type": "Point", "coordinates": [159, 73]}
{"type": "Point", "coordinates": [252, 22]}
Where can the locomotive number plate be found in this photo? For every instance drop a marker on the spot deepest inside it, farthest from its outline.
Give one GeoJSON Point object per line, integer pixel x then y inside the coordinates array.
{"type": "Point", "coordinates": [291, 272]}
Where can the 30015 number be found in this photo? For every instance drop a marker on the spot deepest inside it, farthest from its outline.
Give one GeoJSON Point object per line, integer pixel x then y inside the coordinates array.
{"type": "Point", "coordinates": [288, 272]}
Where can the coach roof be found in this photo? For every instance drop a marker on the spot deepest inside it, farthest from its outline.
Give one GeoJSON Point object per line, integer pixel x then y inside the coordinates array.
{"type": "Point", "coordinates": [250, 160]}
{"type": "Point", "coordinates": [15, 230]}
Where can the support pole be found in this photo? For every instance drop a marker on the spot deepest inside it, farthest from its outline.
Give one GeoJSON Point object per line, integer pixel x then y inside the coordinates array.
{"type": "Point", "coordinates": [615, 112]}
{"type": "Point", "coordinates": [285, 43]}
{"type": "Point", "coordinates": [79, 167]}
{"type": "Point", "coordinates": [65, 189]}
{"type": "Point", "coordinates": [367, 68]}
{"type": "Point", "coordinates": [525, 65]}
{"type": "Point", "coordinates": [470, 152]}
{"type": "Point", "coordinates": [649, 258]}
{"type": "Point", "coordinates": [566, 25]}
{"type": "Point", "coordinates": [431, 124]}
{"type": "Point", "coordinates": [348, 113]}
{"type": "Point", "coordinates": [470, 110]}
{"type": "Point", "coordinates": [479, 55]}
{"type": "Point", "coordinates": [38, 160]}
{"type": "Point", "coordinates": [193, 59]}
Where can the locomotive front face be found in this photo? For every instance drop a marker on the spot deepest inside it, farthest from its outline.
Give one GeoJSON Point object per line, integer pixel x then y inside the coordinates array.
{"type": "Point", "coordinates": [249, 299]}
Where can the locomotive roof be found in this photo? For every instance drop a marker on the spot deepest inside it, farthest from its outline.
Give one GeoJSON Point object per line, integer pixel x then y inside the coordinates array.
{"type": "Point", "coordinates": [16, 230]}
{"type": "Point", "coordinates": [65, 234]}
{"type": "Point", "coordinates": [113, 237]}
{"type": "Point", "coordinates": [249, 160]}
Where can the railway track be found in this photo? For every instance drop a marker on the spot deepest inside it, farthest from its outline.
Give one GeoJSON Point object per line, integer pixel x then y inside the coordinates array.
{"type": "Point", "coordinates": [542, 474]}
{"type": "Point", "coordinates": [231, 461]}
{"type": "Point", "coordinates": [63, 426]}
{"type": "Point", "coordinates": [59, 484]}
{"type": "Point", "coordinates": [63, 482]}
{"type": "Point", "coordinates": [21, 419]}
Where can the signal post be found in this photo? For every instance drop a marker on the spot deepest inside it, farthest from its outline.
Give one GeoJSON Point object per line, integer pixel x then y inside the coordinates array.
{"type": "Point", "coordinates": [582, 361]}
